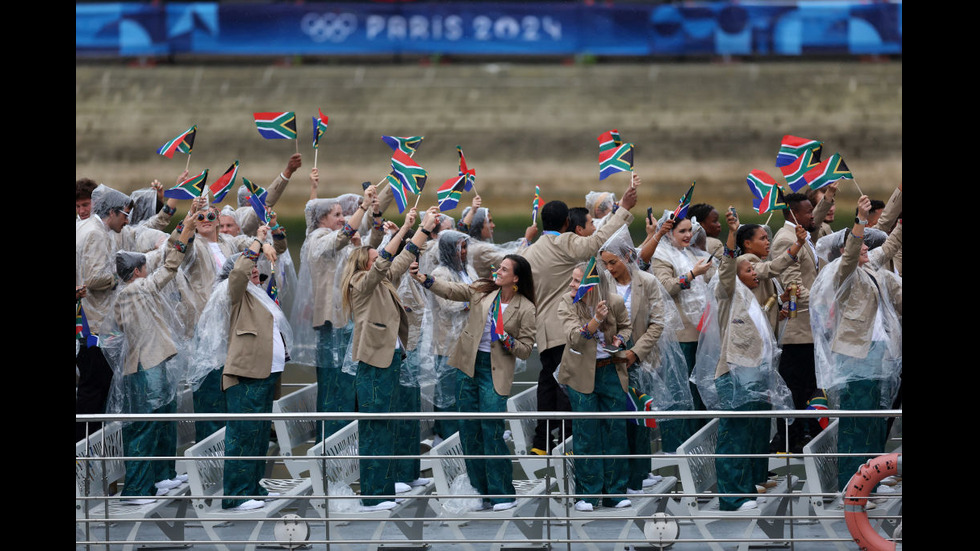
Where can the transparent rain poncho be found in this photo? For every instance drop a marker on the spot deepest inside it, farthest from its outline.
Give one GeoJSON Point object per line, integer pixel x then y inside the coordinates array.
{"type": "Point", "coordinates": [209, 348]}
{"type": "Point", "coordinates": [737, 338]}
{"type": "Point", "coordinates": [829, 246]}
{"type": "Point", "coordinates": [445, 319]}
{"type": "Point", "coordinates": [144, 205]}
{"type": "Point", "coordinates": [105, 200]}
{"type": "Point", "coordinates": [690, 302]}
{"type": "Point", "coordinates": [662, 374]}
{"type": "Point", "coordinates": [599, 205]}
{"type": "Point", "coordinates": [142, 339]}
{"type": "Point", "coordinates": [317, 298]}
{"type": "Point", "coordinates": [857, 328]}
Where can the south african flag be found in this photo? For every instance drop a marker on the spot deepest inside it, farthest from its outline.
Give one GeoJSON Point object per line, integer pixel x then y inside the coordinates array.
{"type": "Point", "coordinates": [614, 155]}
{"type": "Point", "coordinates": [450, 192]}
{"type": "Point", "coordinates": [589, 280]}
{"type": "Point", "coordinates": [828, 172]}
{"type": "Point", "coordinates": [183, 143]}
{"type": "Point", "coordinates": [797, 156]}
{"type": "Point", "coordinates": [277, 125]}
{"type": "Point", "coordinates": [767, 195]}
{"type": "Point", "coordinates": [408, 171]}
{"type": "Point", "coordinates": [398, 192]}
{"type": "Point", "coordinates": [406, 145]}
{"type": "Point", "coordinates": [223, 185]}
{"type": "Point", "coordinates": [190, 188]}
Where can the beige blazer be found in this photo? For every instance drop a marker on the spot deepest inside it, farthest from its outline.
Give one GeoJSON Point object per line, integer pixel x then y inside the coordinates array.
{"type": "Point", "coordinates": [579, 358]}
{"type": "Point", "coordinates": [380, 319]}
{"type": "Point", "coordinates": [859, 301]}
{"type": "Point", "coordinates": [552, 259]}
{"type": "Point", "coordinates": [766, 270]}
{"type": "Point", "coordinates": [803, 272]}
{"type": "Point", "coordinates": [138, 314]}
{"type": "Point", "coordinates": [668, 276]}
{"type": "Point", "coordinates": [886, 223]}
{"type": "Point", "coordinates": [249, 220]}
{"type": "Point", "coordinates": [741, 342]}
{"type": "Point", "coordinates": [518, 322]}
{"type": "Point", "coordinates": [94, 268]}
{"type": "Point", "coordinates": [646, 315]}
{"type": "Point", "coordinates": [251, 330]}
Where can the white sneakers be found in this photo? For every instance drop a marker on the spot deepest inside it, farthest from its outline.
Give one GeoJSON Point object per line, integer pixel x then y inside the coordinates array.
{"type": "Point", "coordinates": [401, 488]}
{"type": "Point", "coordinates": [748, 505]}
{"type": "Point", "coordinates": [138, 501]}
{"type": "Point", "coordinates": [383, 506]}
{"type": "Point", "coordinates": [168, 484]}
{"type": "Point", "coordinates": [249, 505]}
{"type": "Point", "coordinates": [624, 503]}
{"type": "Point", "coordinates": [504, 506]}
{"type": "Point", "coordinates": [420, 482]}
{"type": "Point", "coordinates": [583, 505]}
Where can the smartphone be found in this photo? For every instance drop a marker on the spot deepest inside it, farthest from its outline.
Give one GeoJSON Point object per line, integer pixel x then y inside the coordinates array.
{"type": "Point", "coordinates": [365, 185]}
{"type": "Point", "coordinates": [650, 215]}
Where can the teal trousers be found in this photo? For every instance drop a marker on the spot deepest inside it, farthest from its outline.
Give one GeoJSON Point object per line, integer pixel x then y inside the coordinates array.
{"type": "Point", "coordinates": [335, 390]}
{"type": "Point", "coordinates": [247, 438]}
{"type": "Point", "coordinates": [376, 388]}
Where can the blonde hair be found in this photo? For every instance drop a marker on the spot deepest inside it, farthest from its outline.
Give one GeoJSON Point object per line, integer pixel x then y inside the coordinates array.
{"type": "Point", "coordinates": [357, 262]}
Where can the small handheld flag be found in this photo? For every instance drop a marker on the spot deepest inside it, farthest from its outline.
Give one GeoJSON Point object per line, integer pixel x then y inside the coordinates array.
{"type": "Point", "coordinates": [497, 319]}
{"type": "Point", "coordinates": [223, 185]}
{"type": "Point", "coordinates": [82, 331]}
{"type": "Point", "coordinates": [272, 289]}
{"type": "Point", "coordinates": [614, 155]}
{"type": "Point", "coordinates": [408, 171]}
{"type": "Point", "coordinates": [536, 205]}
{"type": "Point", "coordinates": [190, 188]}
{"type": "Point", "coordinates": [319, 127]}
{"type": "Point", "coordinates": [398, 191]}
{"type": "Point", "coordinates": [464, 170]}
{"type": "Point", "coordinates": [796, 157]}
{"type": "Point", "coordinates": [277, 125]}
{"type": "Point", "coordinates": [767, 195]}
{"type": "Point", "coordinates": [406, 145]}
{"type": "Point", "coordinates": [183, 143]}
{"type": "Point", "coordinates": [680, 212]}
{"type": "Point", "coordinates": [819, 402]}
{"type": "Point", "coordinates": [257, 196]}
{"type": "Point", "coordinates": [589, 280]}
{"type": "Point", "coordinates": [450, 192]}
{"type": "Point", "coordinates": [639, 401]}
{"type": "Point", "coordinates": [828, 172]}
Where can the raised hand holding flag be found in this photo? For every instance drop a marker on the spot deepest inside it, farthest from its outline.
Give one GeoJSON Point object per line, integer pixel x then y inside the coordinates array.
{"type": "Point", "coordinates": [614, 155]}
{"type": "Point", "coordinates": [223, 185]}
{"type": "Point", "coordinates": [536, 205]}
{"type": "Point", "coordinates": [796, 157]}
{"type": "Point", "coordinates": [190, 188]}
{"type": "Point", "coordinates": [680, 212]}
{"type": "Point", "coordinates": [590, 279]}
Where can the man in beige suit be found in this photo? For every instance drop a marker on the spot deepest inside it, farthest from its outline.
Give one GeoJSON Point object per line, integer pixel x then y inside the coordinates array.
{"type": "Point", "coordinates": [553, 257]}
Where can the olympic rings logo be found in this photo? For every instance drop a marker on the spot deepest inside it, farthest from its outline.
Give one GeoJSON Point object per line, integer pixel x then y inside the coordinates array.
{"type": "Point", "coordinates": [329, 26]}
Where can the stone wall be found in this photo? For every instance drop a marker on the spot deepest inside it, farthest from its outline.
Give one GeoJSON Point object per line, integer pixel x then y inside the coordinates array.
{"type": "Point", "coordinates": [519, 124]}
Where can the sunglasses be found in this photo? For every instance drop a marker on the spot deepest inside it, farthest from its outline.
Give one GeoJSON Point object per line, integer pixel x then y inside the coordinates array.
{"type": "Point", "coordinates": [211, 216]}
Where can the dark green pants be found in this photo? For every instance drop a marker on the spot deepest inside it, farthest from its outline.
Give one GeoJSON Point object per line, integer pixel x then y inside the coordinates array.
{"type": "Point", "coordinates": [600, 436]}
{"type": "Point", "coordinates": [739, 475]}
{"type": "Point", "coordinates": [335, 391]}
{"type": "Point", "coordinates": [375, 390]}
{"type": "Point", "coordinates": [209, 398]}
{"type": "Point", "coordinates": [247, 438]}
{"type": "Point", "coordinates": [638, 439]}
{"type": "Point", "coordinates": [484, 437]}
{"type": "Point", "coordinates": [445, 387]}
{"type": "Point", "coordinates": [675, 432]}
{"type": "Point", "coordinates": [148, 438]}
{"type": "Point", "coordinates": [408, 433]}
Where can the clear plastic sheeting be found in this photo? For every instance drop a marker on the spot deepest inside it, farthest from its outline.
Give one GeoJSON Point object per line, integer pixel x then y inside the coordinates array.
{"type": "Point", "coordinates": [737, 339]}
{"type": "Point", "coordinates": [144, 205]}
{"type": "Point", "coordinates": [142, 339]}
{"type": "Point", "coordinates": [691, 302]}
{"type": "Point", "coordinates": [105, 200]}
{"type": "Point", "coordinates": [461, 486]}
{"type": "Point", "coordinates": [829, 246]}
{"type": "Point", "coordinates": [599, 205]}
{"type": "Point", "coordinates": [662, 375]}
{"type": "Point", "coordinates": [848, 346]}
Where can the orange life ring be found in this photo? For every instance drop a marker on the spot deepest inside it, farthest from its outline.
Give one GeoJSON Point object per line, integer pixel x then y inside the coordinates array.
{"type": "Point", "coordinates": [856, 497]}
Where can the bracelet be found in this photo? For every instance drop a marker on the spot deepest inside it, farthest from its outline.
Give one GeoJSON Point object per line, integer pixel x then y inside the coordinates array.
{"type": "Point", "coordinates": [465, 228]}
{"type": "Point", "coordinates": [428, 233]}
{"type": "Point", "coordinates": [250, 254]}
{"type": "Point", "coordinates": [376, 214]}
{"type": "Point", "coordinates": [181, 247]}
{"type": "Point", "coordinates": [507, 342]}
{"type": "Point", "coordinates": [168, 210]}
{"type": "Point", "coordinates": [429, 280]}
{"type": "Point", "coordinates": [683, 281]}
{"type": "Point", "coordinates": [731, 253]}
{"type": "Point", "coordinates": [348, 230]}
{"type": "Point", "coordinates": [584, 331]}
{"type": "Point", "coordinates": [283, 176]}
{"type": "Point", "coordinates": [276, 227]}
{"type": "Point", "coordinates": [413, 248]}
{"type": "Point", "coordinates": [383, 253]}
{"type": "Point", "coordinates": [279, 236]}
{"type": "Point", "coordinates": [791, 255]}
{"type": "Point", "coordinates": [362, 207]}
{"type": "Point", "coordinates": [180, 227]}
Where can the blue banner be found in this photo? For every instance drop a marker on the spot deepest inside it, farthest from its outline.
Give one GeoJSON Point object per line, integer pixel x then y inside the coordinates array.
{"type": "Point", "coordinates": [476, 28]}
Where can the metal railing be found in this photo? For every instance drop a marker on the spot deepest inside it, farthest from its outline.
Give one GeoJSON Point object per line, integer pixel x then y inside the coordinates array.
{"type": "Point", "coordinates": [99, 526]}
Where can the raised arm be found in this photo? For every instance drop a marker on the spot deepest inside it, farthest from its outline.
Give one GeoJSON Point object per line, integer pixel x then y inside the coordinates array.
{"type": "Point", "coordinates": [852, 245]}
{"type": "Point", "coordinates": [279, 183]}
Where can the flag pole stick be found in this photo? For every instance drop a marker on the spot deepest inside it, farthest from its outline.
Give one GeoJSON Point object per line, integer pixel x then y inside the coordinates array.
{"type": "Point", "coordinates": [770, 217]}
{"type": "Point", "coordinates": [297, 144]}
{"type": "Point", "coordinates": [316, 152]}
{"type": "Point", "coordinates": [188, 165]}
{"type": "Point", "coordinates": [857, 186]}
{"type": "Point", "coordinates": [417, 197]}
{"type": "Point", "coordinates": [794, 217]}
